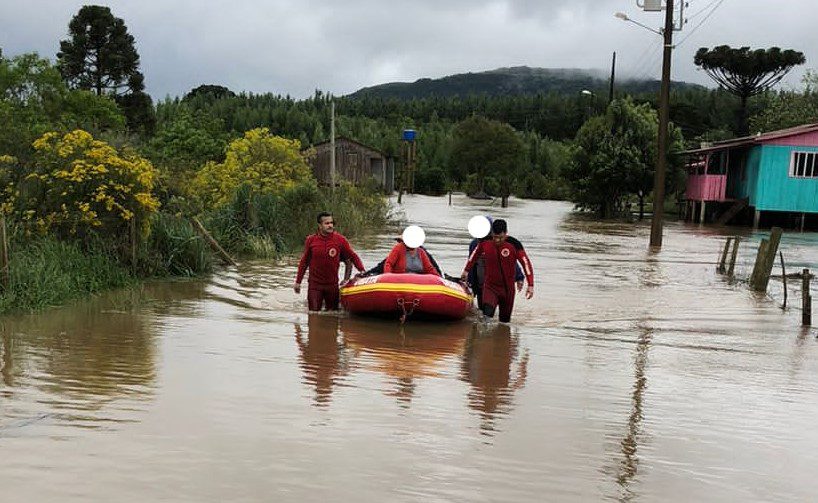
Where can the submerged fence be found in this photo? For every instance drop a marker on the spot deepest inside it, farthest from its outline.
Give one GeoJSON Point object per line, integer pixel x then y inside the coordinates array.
{"type": "Point", "coordinates": [762, 269]}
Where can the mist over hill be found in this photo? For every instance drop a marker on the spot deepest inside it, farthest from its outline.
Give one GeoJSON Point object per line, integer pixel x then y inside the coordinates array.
{"type": "Point", "coordinates": [519, 80]}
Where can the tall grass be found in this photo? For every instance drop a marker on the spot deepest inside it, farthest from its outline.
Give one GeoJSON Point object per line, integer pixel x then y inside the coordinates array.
{"type": "Point", "coordinates": [268, 225]}
{"type": "Point", "coordinates": [46, 272]}
{"type": "Point", "coordinates": [174, 248]}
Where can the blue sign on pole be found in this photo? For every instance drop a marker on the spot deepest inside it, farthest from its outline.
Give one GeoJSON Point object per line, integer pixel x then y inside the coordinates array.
{"type": "Point", "coordinates": [409, 134]}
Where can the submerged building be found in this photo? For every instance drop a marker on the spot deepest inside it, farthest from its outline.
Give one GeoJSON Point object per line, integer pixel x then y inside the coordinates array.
{"type": "Point", "coordinates": [766, 179]}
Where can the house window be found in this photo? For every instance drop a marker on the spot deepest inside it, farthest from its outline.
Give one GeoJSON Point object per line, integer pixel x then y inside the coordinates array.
{"type": "Point", "coordinates": [804, 165]}
{"type": "Point", "coordinates": [352, 158]}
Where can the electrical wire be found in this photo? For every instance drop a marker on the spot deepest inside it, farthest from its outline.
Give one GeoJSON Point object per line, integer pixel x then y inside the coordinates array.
{"type": "Point", "coordinates": [691, 32]}
{"type": "Point", "coordinates": [700, 11]}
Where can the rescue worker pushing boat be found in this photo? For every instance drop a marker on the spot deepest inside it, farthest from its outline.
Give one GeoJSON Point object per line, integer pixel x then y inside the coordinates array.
{"type": "Point", "coordinates": [501, 254]}
{"type": "Point", "coordinates": [323, 253]}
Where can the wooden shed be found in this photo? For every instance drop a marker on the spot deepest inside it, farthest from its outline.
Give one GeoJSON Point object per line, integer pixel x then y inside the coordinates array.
{"type": "Point", "coordinates": [354, 162]}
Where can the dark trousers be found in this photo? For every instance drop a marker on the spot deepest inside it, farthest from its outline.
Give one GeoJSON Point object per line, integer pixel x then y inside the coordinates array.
{"type": "Point", "coordinates": [493, 298]}
{"type": "Point", "coordinates": [326, 295]}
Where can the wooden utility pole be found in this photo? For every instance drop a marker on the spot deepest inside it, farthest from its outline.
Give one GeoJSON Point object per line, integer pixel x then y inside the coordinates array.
{"type": "Point", "coordinates": [664, 112]}
{"type": "Point", "coordinates": [332, 146]}
{"type": "Point", "coordinates": [613, 73]}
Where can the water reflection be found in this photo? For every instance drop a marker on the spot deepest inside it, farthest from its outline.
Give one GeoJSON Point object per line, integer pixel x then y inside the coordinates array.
{"type": "Point", "coordinates": [76, 361]}
{"type": "Point", "coordinates": [404, 353]}
{"type": "Point", "coordinates": [323, 357]}
{"type": "Point", "coordinates": [5, 364]}
{"type": "Point", "coordinates": [494, 369]}
{"type": "Point", "coordinates": [628, 466]}
{"type": "Point", "coordinates": [333, 347]}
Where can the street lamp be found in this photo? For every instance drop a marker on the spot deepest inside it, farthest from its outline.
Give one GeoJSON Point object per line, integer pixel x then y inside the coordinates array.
{"type": "Point", "coordinates": [624, 17]}
{"type": "Point", "coordinates": [590, 96]}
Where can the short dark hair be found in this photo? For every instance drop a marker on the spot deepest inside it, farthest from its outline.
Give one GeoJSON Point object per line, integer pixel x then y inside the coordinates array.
{"type": "Point", "coordinates": [322, 215]}
{"type": "Point", "coordinates": [499, 226]}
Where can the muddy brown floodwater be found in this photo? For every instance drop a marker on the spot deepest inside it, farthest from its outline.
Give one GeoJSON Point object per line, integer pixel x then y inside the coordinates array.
{"type": "Point", "coordinates": [628, 377]}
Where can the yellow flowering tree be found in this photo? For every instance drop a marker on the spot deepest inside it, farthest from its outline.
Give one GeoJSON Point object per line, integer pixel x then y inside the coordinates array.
{"type": "Point", "coordinates": [266, 163]}
{"type": "Point", "coordinates": [80, 185]}
{"type": "Point", "coordinates": [7, 169]}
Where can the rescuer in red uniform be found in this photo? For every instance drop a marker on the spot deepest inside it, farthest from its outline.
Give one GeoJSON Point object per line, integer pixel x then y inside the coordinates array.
{"type": "Point", "coordinates": [500, 254]}
{"type": "Point", "coordinates": [323, 253]}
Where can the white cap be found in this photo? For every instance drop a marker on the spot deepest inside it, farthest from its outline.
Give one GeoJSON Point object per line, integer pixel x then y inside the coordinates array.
{"type": "Point", "coordinates": [413, 236]}
{"type": "Point", "coordinates": [479, 226]}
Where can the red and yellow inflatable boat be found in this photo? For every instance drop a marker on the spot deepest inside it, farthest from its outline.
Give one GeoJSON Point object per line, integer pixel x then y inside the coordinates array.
{"type": "Point", "coordinates": [402, 295]}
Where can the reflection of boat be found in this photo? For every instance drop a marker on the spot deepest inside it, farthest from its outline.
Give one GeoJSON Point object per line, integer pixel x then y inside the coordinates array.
{"type": "Point", "coordinates": [411, 351]}
{"type": "Point", "coordinates": [421, 295]}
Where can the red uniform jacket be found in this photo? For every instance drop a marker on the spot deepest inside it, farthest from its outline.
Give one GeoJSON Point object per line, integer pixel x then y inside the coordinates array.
{"type": "Point", "coordinates": [396, 261]}
{"type": "Point", "coordinates": [501, 263]}
{"type": "Point", "coordinates": [323, 256]}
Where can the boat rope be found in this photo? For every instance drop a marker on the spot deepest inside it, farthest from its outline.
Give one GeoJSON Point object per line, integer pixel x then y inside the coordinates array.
{"type": "Point", "coordinates": [407, 310]}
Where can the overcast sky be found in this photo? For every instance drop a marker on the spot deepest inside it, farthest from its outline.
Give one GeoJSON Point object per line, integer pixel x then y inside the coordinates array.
{"type": "Point", "coordinates": [294, 47]}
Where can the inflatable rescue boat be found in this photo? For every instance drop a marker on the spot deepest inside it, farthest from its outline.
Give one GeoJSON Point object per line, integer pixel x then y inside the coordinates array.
{"type": "Point", "coordinates": [403, 295]}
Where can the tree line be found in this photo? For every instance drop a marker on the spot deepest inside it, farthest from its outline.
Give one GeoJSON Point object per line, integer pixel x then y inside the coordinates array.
{"type": "Point", "coordinates": [529, 145]}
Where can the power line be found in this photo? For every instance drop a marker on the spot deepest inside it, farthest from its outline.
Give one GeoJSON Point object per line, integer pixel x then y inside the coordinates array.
{"type": "Point", "coordinates": [700, 11]}
{"type": "Point", "coordinates": [691, 32]}
{"type": "Point", "coordinates": [639, 62]}
{"type": "Point", "coordinates": [648, 67]}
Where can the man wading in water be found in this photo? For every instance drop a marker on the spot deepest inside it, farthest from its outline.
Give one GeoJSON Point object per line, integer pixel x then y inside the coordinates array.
{"type": "Point", "coordinates": [323, 252]}
{"type": "Point", "coordinates": [501, 254]}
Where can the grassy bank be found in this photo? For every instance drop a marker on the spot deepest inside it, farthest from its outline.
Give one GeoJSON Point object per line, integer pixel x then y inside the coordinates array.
{"type": "Point", "coordinates": [48, 272]}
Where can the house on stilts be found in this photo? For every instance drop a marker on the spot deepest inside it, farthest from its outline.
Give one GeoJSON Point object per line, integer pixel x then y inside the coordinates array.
{"type": "Point", "coordinates": [766, 179]}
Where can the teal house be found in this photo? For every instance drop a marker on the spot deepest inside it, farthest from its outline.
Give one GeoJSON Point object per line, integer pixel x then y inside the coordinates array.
{"type": "Point", "coordinates": [766, 179]}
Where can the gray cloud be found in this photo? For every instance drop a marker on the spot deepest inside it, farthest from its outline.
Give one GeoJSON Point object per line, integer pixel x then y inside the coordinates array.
{"type": "Point", "coordinates": [295, 47]}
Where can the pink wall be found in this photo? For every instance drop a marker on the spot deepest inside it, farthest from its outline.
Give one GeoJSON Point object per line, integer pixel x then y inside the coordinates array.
{"type": "Point", "coordinates": [799, 140]}
{"type": "Point", "coordinates": [706, 187]}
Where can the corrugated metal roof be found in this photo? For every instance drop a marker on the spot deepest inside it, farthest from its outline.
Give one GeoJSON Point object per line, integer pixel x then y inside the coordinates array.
{"type": "Point", "coordinates": [755, 139]}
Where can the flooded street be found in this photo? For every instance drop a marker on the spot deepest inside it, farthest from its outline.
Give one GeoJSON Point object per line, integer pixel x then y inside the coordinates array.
{"type": "Point", "coordinates": [628, 377]}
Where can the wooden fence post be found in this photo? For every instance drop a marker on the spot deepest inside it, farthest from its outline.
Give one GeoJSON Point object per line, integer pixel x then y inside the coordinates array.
{"type": "Point", "coordinates": [133, 245]}
{"type": "Point", "coordinates": [732, 268]}
{"type": "Point", "coordinates": [4, 254]}
{"type": "Point", "coordinates": [806, 299]}
{"type": "Point", "coordinates": [783, 278]}
{"type": "Point", "coordinates": [762, 252]}
{"type": "Point", "coordinates": [723, 260]}
{"type": "Point", "coordinates": [764, 267]}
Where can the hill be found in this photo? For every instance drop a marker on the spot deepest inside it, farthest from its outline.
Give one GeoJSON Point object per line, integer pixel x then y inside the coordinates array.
{"type": "Point", "coordinates": [518, 80]}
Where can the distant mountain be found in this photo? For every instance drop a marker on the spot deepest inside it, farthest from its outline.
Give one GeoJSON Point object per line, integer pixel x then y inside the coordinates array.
{"type": "Point", "coordinates": [511, 81]}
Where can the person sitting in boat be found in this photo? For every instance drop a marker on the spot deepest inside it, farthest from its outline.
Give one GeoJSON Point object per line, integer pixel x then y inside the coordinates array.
{"type": "Point", "coordinates": [378, 269]}
{"type": "Point", "coordinates": [408, 255]}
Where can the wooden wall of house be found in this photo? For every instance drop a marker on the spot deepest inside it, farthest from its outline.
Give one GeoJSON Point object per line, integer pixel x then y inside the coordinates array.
{"type": "Point", "coordinates": [744, 186]}
{"type": "Point", "coordinates": [776, 190]}
{"type": "Point", "coordinates": [353, 162]}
